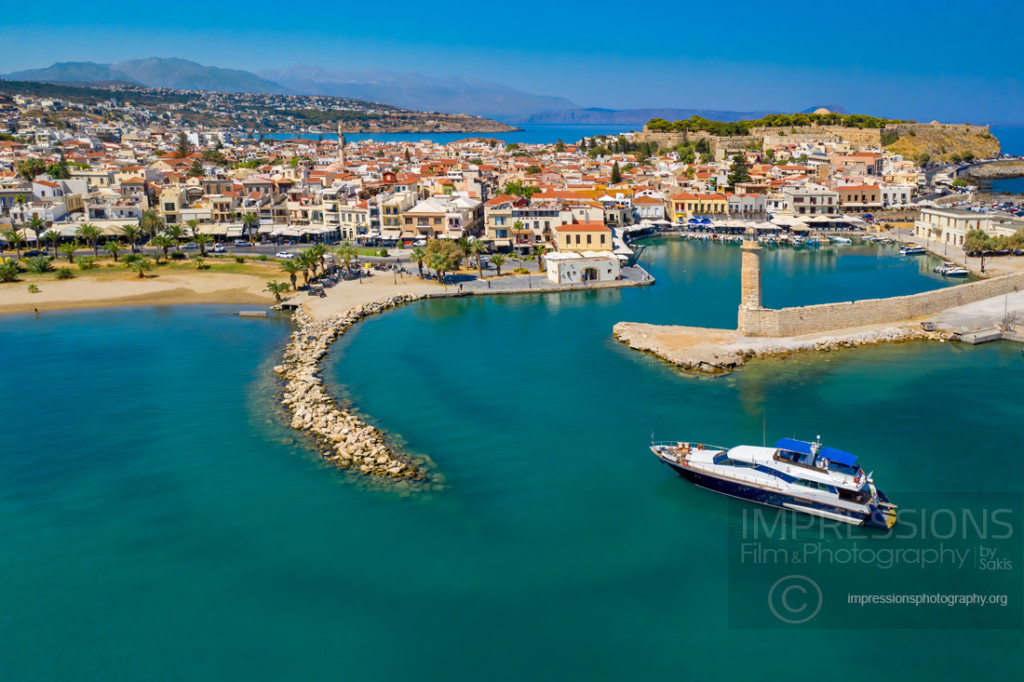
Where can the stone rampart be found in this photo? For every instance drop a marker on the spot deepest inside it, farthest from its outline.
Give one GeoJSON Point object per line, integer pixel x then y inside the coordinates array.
{"type": "Point", "coordinates": [831, 316]}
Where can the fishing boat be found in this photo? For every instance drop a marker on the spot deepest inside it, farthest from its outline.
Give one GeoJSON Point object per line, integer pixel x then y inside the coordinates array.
{"type": "Point", "coordinates": [797, 475]}
{"type": "Point", "coordinates": [912, 250]}
{"type": "Point", "coordinates": [840, 240]}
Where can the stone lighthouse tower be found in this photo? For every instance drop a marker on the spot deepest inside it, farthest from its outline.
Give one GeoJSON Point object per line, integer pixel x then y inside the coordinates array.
{"type": "Point", "coordinates": [750, 285]}
{"type": "Point", "coordinates": [341, 146]}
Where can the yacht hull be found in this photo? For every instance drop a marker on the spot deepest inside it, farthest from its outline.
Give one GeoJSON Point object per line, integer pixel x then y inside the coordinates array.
{"type": "Point", "coordinates": [771, 498]}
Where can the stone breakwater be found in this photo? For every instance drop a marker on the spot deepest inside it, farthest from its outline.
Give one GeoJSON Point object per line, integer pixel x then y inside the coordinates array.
{"type": "Point", "coordinates": [345, 440]}
{"type": "Point", "coordinates": [716, 352]}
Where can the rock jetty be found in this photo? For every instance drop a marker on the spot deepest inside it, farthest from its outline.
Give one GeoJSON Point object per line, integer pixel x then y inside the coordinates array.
{"type": "Point", "coordinates": [716, 352]}
{"type": "Point", "coordinates": [343, 439]}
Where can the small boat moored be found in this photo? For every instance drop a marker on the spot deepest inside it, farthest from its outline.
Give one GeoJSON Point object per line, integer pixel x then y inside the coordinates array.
{"type": "Point", "coordinates": [912, 250]}
{"type": "Point", "coordinates": [949, 269]}
{"type": "Point", "coordinates": [797, 475]}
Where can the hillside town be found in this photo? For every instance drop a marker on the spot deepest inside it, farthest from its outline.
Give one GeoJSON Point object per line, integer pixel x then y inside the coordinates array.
{"type": "Point", "coordinates": [586, 196]}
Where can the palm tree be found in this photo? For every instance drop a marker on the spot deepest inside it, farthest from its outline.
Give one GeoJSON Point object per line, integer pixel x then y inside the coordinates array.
{"type": "Point", "coordinates": [517, 226]}
{"type": "Point", "coordinates": [417, 256]}
{"type": "Point", "coordinates": [465, 247]}
{"type": "Point", "coordinates": [151, 223]}
{"type": "Point", "coordinates": [318, 252]}
{"type": "Point", "coordinates": [539, 250]}
{"type": "Point", "coordinates": [36, 225]}
{"type": "Point", "coordinates": [249, 220]}
{"type": "Point", "coordinates": [177, 233]}
{"type": "Point", "coordinates": [202, 240]}
{"type": "Point", "coordinates": [193, 226]}
{"type": "Point", "coordinates": [20, 201]}
{"type": "Point", "coordinates": [347, 252]}
{"type": "Point", "coordinates": [199, 261]}
{"type": "Point", "coordinates": [14, 238]}
{"type": "Point", "coordinates": [141, 265]}
{"type": "Point", "coordinates": [91, 234]}
{"type": "Point", "coordinates": [132, 234]}
{"type": "Point", "coordinates": [164, 242]}
{"type": "Point", "coordinates": [68, 249]}
{"type": "Point", "coordinates": [52, 236]}
{"type": "Point", "coordinates": [292, 268]}
{"type": "Point", "coordinates": [498, 261]}
{"type": "Point", "coordinates": [277, 288]}
{"type": "Point", "coordinates": [437, 263]}
{"type": "Point", "coordinates": [306, 262]}
{"type": "Point", "coordinates": [478, 248]}
{"type": "Point", "coordinates": [112, 246]}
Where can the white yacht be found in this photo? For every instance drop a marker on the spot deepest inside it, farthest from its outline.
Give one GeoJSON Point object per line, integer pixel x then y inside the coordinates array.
{"type": "Point", "coordinates": [797, 475]}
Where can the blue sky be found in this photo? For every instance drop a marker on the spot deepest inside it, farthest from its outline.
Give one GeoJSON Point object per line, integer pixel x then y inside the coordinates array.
{"type": "Point", "coordinates": [953, 62]}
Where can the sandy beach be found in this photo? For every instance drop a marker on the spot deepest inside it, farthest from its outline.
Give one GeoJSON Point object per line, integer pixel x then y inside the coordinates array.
{"type": "Point", "coordinates": [177, 287]}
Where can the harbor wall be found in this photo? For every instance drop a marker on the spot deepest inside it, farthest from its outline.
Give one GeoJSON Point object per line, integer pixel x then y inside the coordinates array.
{"type": "Point", "coordinates": [831, 316]}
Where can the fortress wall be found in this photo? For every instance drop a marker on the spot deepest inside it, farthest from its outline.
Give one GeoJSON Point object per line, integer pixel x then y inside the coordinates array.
{"type": "Point", "coordinates": [834, 316]}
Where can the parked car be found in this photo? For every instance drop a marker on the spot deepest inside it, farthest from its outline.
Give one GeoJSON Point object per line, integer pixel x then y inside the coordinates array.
{"type": "Point", "coordinates": [191, 246]}
{"type": "Point", "coordinates": [219, 248]}
{"type": "Point", "coordinates": [32, 253]}
{"type": "Point", "coordinates": [420, 242]}
{"type": "Point", "coordinates": [241, 242]}
{"type": "Point", "coordinates": [284, 255]}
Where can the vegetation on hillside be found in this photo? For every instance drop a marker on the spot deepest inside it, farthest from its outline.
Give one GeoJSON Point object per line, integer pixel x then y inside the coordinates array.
{"type": "Point", "coordinates": [945, 143]}
{"type": "Point", "coordinates": [736, 128]}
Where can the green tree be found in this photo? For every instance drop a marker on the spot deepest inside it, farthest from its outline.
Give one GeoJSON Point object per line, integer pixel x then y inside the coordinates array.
{"type": "Point", "coordinates": [30, 169]}
{"type": "Point", "coordinates": [132, 234]}
{"type": "Point", "coordinates": [738, 172]}
{"type": "Point", "coordinates": [519, 226]}
{"type": "Point", "coordinates": [14, 239]}
{"type": "Point", "coordinates": [140, 265]}
{"type": "Point", "coordinates": [59, 170]}
{"type": "Point", "coordinates": [52, 236]}
{"type": "Point", "coordinates": [616, 173]}
{"type": "Point", "coordinates": [517, 188]}
{"type": "Point", "coordinates": [68, 249]}
{"type": "Point", "coordinates": [9, 270]}
{"type": "Point", "coordinates": [177, 233]}
{"type": "Point", "coordinates": [249, 225]}
{"type": "Point", "coordinates": [181, 145]}
{"type": "Point", "coordinates": [277, 288]}
{"type": "Point", "coordinates": [163, 242]}
{"type": "Point", "coordinates": [196, 169]}
{"type": "Point", "coordinates": [200, 261]}
{"type": "Point", "coordinates": [559, 146]}
{"type": "Point", "coordinates": [477, 248]}
{"type": "Point", "coordinates": [347, 253]}
{"type": "Point", "coordinates": [417, 256]}
{"type": "Point", "coordinates": [151, 223]}
{"type": "Point", "coordinates": [318, 252]}
{"type": "Point", "coordinates": [202, 240]}
{"type": "Point", "coordinates": [36, 225]}
{"type": "Point", "coordinates": [923, 159]}
{"type": "Point", "coordinates": [292, 268]}
{"type": "Point", "coordinates": [443, 256]}
{"type": "Point", "coordinates": [977, 241]}
{"type": "Point", "coordinates": [112, 246]}
{"type": "Point", "coordinates": [307, 262]}
{"type": "Point", "coordinates": [498, 261]}
{"type": "Point", "coordinates": [539, 250]}
{"type": "Point", "coordinates": [91, 235]}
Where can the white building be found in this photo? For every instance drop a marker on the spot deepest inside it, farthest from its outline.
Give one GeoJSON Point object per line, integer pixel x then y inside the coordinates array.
{"type": "Point", "coordinates": [571, 267]}
{"type": "Point", "coordinates": [951, 225]}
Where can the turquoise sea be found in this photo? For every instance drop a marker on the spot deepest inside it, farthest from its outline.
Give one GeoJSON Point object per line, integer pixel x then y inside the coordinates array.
{"type": "Point", "coordinates": [161, 523]}
{"type": "Point", "coordinates": [532, 134]}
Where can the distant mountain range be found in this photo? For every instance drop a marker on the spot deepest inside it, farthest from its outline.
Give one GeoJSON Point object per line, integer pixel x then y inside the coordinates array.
{"type": "Point", "coordinates": [409, 90]}
{"type": "Point", "coordinates": [179, 74]}
{"type": "Point", "coordinates": [448, 94]}
{"type": "Point", "coordinates": [417, 91]}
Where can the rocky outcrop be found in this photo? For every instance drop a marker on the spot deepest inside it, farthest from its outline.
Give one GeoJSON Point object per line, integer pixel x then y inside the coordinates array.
{"type": "Point", "coordinates": [344, 440]}
{"type": "Point", "coordinates": [995, 171]}
{"type": "Point", "coordinates": [716, 352]}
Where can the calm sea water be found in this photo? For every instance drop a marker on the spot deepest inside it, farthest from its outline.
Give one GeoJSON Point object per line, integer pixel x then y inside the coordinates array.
{"type": "Point", "coordinates": [160, 524]}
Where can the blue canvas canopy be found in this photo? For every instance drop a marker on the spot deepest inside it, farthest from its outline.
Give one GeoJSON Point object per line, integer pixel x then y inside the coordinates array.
{"type": "Point", "coordinates": [831, 454]}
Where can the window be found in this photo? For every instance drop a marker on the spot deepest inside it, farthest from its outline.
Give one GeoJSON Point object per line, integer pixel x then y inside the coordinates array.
{"type": "Point", "coordinates": [602, 239]}
{"type": "Point", "coordinates": [588, 239]}
{"type": "Point", "coordinates": [168, 207]}
{"type": "Point", "coordinates": [577, 239]}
